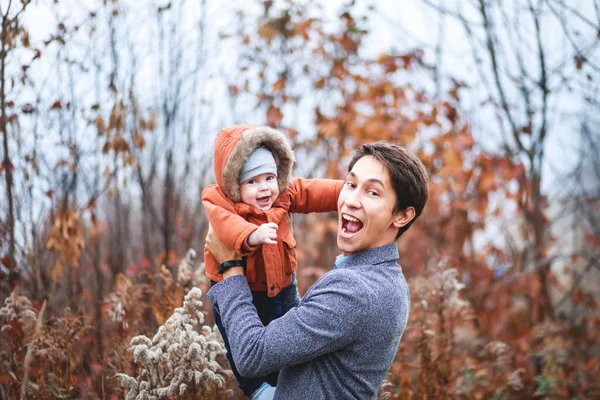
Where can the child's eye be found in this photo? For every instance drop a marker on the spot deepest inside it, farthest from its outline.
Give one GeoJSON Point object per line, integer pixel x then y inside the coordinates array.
{"type": "Point", "coordinates": [251, 181]}
{"type": "Point", "coordinates": [271, 177]}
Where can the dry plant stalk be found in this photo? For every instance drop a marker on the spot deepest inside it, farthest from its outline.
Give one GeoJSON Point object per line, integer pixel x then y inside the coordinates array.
{"type": "Point", "coordinates": [179, 362]}
{"type": "Point", "coordinates": [29, 355]}
{"type": "Point", "coordinates": [18, 308]}
{"type": "Point", "coordinates": [18, 320]}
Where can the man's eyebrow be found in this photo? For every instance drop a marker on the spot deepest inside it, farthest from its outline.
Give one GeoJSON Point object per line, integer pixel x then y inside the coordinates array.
{"type": "Point", "coordinates": [370, 180]}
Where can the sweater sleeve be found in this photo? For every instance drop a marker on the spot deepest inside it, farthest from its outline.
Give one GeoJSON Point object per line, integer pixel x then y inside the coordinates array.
{"type": "Point", "coordinates": [230, 227]}
{"type": "Point", "coordinates": [328, 318]}
{"type": "Point", "coordinates": [314, 195]}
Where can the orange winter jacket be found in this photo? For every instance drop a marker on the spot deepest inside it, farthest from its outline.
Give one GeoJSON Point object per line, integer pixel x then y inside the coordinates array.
{"type": "Point", "coordinates": [269, 267]}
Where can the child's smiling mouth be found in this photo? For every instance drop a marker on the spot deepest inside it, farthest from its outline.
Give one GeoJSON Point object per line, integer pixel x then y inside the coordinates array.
{"type": "Point", "coordinates": [263, 201]}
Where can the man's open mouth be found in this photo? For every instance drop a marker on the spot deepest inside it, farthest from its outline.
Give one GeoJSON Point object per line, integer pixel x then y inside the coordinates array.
{"type": "Point", "coordinates": [350, 225]}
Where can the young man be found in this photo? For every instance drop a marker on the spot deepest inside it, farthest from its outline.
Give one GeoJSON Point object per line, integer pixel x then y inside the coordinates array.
{"type": "Point", "coordinates": [341, 340]}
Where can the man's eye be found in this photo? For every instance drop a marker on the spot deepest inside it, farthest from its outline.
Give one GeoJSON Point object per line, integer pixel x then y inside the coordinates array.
{"type": "Point", "coordinates": [373, 193]}
{"type": "Point", "coordinates": [350, 185]}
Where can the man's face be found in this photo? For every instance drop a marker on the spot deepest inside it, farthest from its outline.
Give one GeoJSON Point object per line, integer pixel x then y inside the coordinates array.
{"type": "Point", "coordinates": [365, 208]}
{"type": "Point", "coordinates": [260, 191]}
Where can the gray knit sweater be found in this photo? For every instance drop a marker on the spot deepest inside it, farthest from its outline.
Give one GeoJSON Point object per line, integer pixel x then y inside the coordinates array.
{"type": "Point", "coordinates": [337, 344]}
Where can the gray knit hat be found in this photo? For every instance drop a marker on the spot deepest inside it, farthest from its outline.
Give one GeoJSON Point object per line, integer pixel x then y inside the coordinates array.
{"type": "Point", "coordinates": [260, 161]}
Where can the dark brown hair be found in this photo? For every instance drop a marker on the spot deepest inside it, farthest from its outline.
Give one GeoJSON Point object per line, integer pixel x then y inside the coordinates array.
{"type": "Point", "coordinates": [407, 174]}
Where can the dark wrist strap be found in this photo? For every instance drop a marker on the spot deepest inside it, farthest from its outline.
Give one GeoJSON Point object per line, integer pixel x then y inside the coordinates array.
{"type": "Point", "coordinates": [232, 263]}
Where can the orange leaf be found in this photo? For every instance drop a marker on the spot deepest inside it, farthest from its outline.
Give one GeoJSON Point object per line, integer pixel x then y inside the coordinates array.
{"type": "Point", "coordinates": [267, 32]}
{"type": "Point", "coordinates": [375, 129]}
{"type": "Point", "coordinates": [279, 85]}
{"type": "Point", "coordinates": [328, 128]}
{"type": "Point", "coordinates": [486, 181]}
{"type": "Point", "coordinates": [274, 116]}
{"type": "Point", "coordinates": [452, 161]}
{"type": "Point", "coordinates": [463, 141]}
{"type": "Point", "coordinates": [100, 125]}
{"type": "Point", "coordinates": [301, 28]}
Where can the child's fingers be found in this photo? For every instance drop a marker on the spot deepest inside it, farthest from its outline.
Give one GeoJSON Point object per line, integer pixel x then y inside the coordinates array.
{"type": "Point", "coordinates": [273, 225]}
{"type": "Point", "coordinates": [270, 241]}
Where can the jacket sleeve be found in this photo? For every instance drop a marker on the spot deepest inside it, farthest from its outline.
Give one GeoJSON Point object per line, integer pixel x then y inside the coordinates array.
{"type": "Point", "coordinates": [314, 195]}
{"type": "Point", "coordinates": [230, 227]}
{"type": "Point", "coordinates": [330, 317]}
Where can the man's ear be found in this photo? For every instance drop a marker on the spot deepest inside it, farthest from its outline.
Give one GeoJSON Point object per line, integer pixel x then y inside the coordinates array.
{"type": "Point", "coordinates": [404, 217]}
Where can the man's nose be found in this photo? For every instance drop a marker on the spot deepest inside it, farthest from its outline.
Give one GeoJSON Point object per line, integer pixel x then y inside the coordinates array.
{"type": "Point", "coordinates": [352, 199]}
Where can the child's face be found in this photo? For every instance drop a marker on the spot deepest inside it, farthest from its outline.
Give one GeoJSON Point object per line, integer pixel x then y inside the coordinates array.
{"type": "Point", "coordinates": [260, 191]}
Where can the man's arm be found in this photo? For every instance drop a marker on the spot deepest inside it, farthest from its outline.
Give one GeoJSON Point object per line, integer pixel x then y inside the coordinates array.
{"type": "Point", "coordinates": [314, 195]}
{"type": "Point", "coordinates": [329, 318]}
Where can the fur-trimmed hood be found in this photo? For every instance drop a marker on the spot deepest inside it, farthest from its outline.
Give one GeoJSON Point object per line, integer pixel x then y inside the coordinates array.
{"type": "Point", "coordinates": [234, 144]}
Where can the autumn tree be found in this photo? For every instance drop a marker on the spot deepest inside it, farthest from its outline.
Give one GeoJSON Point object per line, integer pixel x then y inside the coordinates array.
{"type": "Point", "coordinates": [14, 39]}
{"type": "Point", "coordinates": [526, 79]}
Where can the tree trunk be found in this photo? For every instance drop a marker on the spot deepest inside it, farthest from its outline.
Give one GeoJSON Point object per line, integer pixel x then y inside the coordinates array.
{"type": "Point", "coordinates": [6, 163]}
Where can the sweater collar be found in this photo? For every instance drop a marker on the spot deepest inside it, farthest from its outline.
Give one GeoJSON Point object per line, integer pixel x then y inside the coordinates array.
{"type": "Point", "coordinates": [378, 255]}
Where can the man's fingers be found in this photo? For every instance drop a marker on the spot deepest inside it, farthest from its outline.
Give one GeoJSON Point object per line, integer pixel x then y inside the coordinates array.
{"type": "Point", "coordinates": [209, 236]}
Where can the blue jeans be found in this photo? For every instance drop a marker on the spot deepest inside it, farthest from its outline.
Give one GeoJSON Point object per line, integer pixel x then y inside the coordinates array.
{"type": "Point", "coordinates": [268, 309]}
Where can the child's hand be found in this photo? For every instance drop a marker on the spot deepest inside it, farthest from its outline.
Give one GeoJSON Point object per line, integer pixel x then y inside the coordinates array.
{"type": "Point", "coordinates": [265, 234]}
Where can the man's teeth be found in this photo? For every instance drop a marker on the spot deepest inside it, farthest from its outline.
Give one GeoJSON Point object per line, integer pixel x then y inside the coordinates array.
{"type": "Point", "coordinates": [351, 218]}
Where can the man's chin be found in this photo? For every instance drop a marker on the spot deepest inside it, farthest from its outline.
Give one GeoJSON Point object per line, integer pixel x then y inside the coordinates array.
{"type": "Point", "coordinates": [345, 245]}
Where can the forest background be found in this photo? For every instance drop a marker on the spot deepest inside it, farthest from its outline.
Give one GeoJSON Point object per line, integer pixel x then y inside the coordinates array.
{"type": "Point", "coordinates": [108, 114]}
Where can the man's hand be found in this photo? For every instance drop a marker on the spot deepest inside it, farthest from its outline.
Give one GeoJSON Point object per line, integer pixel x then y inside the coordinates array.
{"type": "Point", "coordinates": [265, 234]}
{"type": "Point", "coordinates": [222, 253]}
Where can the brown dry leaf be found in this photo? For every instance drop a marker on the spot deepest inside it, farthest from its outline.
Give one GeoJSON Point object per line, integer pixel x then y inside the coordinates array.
{"type": "Point", "coordinates": [332, 169]}
{"type": "Point", "coordinates": [338, 69]}
{"type": "Point", "coordinates": [279, 85]}
{"type": "Point", "coordinates": [328, 128]}
{"type": "Point", "coordinates": [274, 116]}
{"type": "Point", "coordinates": [267, 32]}
{"type": "Point", "coordinates": [487, 181]}
{"type": "Point", "coordinates": [120, 145]}
{"type": "Point", "coordinates": [100, 125]}
{"type": "Point", "coordinates": [349, 44]}
{"type": "Point", "coordinates": [452, 161]}
{"type": "Point", "coordinates": [463, 141]}
{"type": "Point", "coordinates": [139, 140]}
{"type": "Point", "coordinates": [302, 28]}
{"type": "Point", "coordinates": [66, 239]}
{"type": "Point", "coordinates": [375, 129]}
